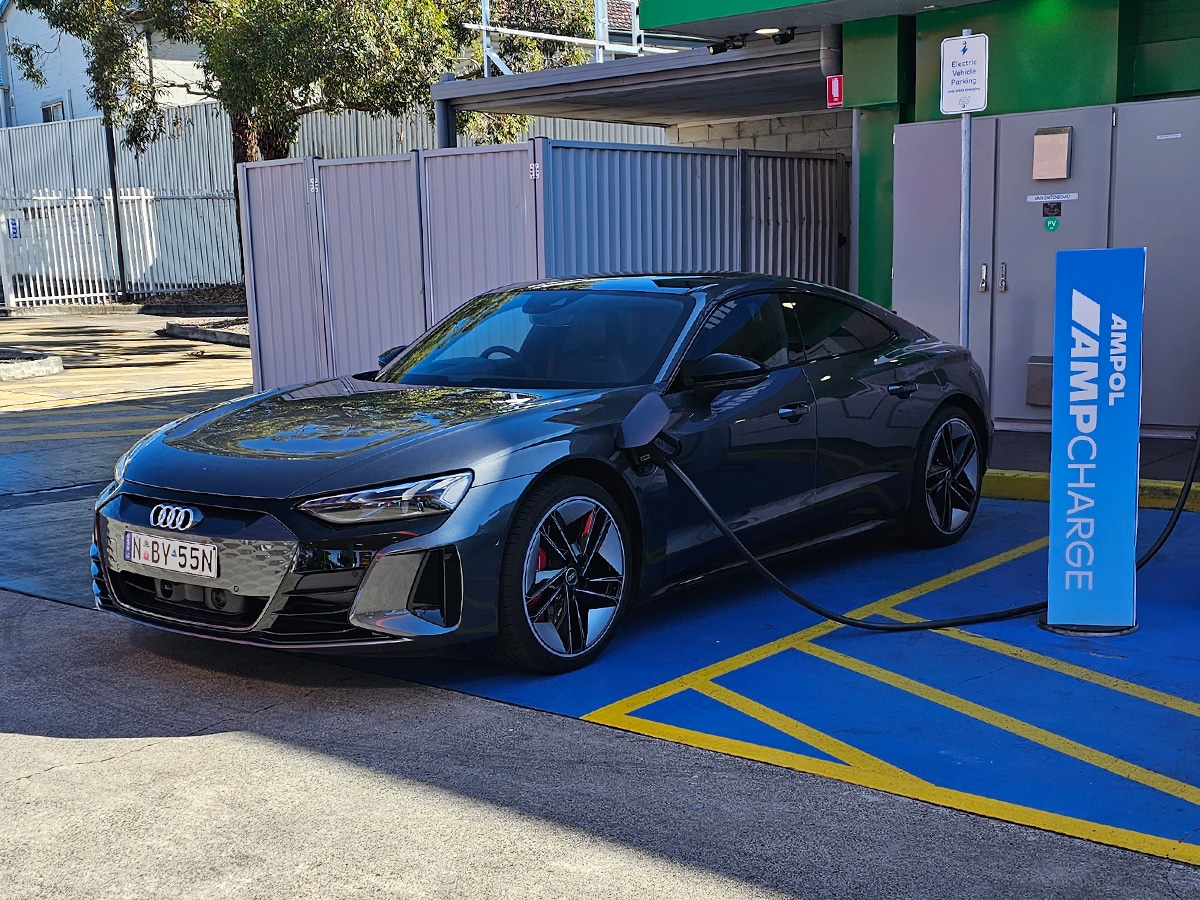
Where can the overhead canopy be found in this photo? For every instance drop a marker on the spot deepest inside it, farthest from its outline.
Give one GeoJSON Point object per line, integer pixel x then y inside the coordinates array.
{"type": "Point", "coordinates": [663, 89]}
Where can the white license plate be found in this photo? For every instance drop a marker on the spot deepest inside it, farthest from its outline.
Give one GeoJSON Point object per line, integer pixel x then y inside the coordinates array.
{"type": "Point", "coordinates": [183, 557]}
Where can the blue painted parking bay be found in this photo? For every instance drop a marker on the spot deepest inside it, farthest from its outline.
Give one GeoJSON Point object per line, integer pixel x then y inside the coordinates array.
{"type": "Point", "coordinates": [1097, 737]}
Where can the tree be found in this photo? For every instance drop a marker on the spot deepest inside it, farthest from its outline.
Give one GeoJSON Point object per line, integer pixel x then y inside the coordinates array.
{"type": "Point", "coordinates": [269, 62]}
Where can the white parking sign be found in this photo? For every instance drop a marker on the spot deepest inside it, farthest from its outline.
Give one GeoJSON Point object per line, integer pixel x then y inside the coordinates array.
{"type": "Point", "coordinates": [964, 74]}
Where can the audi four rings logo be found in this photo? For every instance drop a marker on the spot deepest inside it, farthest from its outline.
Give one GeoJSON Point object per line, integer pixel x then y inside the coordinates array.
{"type": "Point", "coordinates": [177, 518]}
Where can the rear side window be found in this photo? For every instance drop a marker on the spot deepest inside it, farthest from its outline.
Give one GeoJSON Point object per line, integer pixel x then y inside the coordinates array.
{"type": "Point", "coordinates": [831, 328]}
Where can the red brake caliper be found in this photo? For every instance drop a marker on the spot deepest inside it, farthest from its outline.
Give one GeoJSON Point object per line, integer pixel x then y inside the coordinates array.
{"type": "Point", "coordinates": [542, 564]}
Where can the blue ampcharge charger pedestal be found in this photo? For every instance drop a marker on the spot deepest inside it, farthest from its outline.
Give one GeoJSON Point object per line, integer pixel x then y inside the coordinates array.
{"type": "Point", "coordinates": [1097, 407]}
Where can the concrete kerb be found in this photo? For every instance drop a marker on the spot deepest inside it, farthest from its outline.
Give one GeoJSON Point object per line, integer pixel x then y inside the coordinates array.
{"type": "Point", "coordinates": [15, 364]}
{"type": "Point", "coordinates": [1000, 484]}
{"type": "Point", "coordinates": [209, 335]}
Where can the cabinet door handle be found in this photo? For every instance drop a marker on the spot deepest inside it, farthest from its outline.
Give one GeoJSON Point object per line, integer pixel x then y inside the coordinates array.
{"type": "Point", "coordinates": [1003, 286]}
{"type": "Point", "coordinates": [983, 279]}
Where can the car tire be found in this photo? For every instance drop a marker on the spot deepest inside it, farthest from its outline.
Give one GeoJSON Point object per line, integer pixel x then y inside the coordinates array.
{"type": "Point", "coordinates": [565, 577]}
{"type": "Point", "coordinates": [947, 478]}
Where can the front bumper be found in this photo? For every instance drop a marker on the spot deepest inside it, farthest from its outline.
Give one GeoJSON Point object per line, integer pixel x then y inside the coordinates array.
{"type": "Point", "coordinates": [286, 581]}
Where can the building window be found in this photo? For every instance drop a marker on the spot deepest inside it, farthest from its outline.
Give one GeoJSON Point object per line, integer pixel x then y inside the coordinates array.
{"type": "Point", "coordinates": [53, 112]}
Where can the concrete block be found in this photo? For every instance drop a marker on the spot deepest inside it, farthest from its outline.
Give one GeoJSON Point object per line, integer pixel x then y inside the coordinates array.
{"type": "Point", "coordinates": [754, 128]}
{"type": "Point", "coordinates": [690, 134]}
{"type": "Point", "coordinates": [738, 144]}
{"type": "Point", "coordinates": [836, 139]}
{"type": "Point", "coordinates": [820, 121]}
{"type": "Point", "coordinates": [771, 142]}
{"type": "Point", "coordinates": [725, 131]}
{"type": "Point", "coordinates": [787, 124]}
{"type": "Point", "coordinates": [803, 141]}
{"type": "Point", "coordinates": [845, 118]}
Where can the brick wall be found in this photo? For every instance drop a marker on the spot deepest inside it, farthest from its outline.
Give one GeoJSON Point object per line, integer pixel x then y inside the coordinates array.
{"type": "Point", "coordinates": [829, 131]}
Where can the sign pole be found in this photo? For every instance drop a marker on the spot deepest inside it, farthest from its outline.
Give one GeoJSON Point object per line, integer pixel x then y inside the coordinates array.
{"type": "Point", "coordinates": [964, 91]}
{"type": "Point", "coordinates": [964, 238]}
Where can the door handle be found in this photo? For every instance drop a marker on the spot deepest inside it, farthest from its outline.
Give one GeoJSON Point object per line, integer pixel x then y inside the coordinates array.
{"type": "Point", "coordinates": [902, 389]}
{"type": "Point", "coordinates": [794, 413]}
{"type": "Point", "coordinates": [983, 279]}
{"type": "Point", "coordinates": [1003, 286]}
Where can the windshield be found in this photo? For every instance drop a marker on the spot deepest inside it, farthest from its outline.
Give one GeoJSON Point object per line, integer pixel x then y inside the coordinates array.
{"type": "Point", "coordinates": [548, 338]}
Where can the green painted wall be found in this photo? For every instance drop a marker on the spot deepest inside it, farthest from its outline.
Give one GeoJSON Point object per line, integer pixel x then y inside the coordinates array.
{"type": "Point", "coordinates": [1044, 54]}
{"type": "Point", "coordinates": [666, 13]}
{"type": "Point", "coordinates": [878, 61]}
{"type": "Point", "coordinates": [875, 204]}
{"type": "Point", "coordinates": [1166, 53]}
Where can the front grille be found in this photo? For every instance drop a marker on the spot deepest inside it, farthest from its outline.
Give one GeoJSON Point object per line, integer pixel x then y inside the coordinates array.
{"type": "Point", "coordinates": [186, 602]}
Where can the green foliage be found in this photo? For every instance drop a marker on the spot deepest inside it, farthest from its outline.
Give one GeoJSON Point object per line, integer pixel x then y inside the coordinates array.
{"type": "Point", "coordinates": [566, 17]}
{"type": "Point", "coordinates": [269, 62]}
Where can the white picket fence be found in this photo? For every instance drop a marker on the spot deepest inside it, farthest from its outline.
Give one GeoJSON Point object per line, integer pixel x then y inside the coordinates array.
{"type": "Point", "coordinates": [58, 248]}
{"type": "Point", "coordinates": [178, 215]}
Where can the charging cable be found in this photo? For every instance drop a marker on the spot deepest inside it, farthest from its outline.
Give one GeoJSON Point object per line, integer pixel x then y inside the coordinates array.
{"type": "Point", "coordinates": [1178, 510]}
{"type": "Point", "coordinates": [770, 578]}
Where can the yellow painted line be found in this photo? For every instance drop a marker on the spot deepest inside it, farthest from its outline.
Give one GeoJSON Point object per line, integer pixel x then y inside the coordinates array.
{"type": "Point", "coordinates": [849, 754]}
{"type": "Point", "coordinates": [1003, 484]}
{"type": "Point", "coordinates": [1011, 724]}
{"type": "Point", "coordinates": [75, 422]}
{"type": "Point", "coordinates": [724, 667]}
{"type": "Point", "coordinates": [70, 436]}
{"type": "Point", "coordinates": [1171, 701]}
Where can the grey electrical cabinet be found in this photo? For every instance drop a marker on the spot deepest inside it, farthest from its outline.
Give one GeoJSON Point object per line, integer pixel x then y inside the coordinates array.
{"type": "Point", "coordinates": [1107, 176]}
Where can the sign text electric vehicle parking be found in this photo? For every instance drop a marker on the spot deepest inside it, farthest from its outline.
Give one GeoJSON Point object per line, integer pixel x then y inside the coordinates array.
{"type": "Point", "coordinates": [1094, 447]}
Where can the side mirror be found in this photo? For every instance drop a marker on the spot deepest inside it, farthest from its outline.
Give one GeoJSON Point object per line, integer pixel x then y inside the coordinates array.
{"type": "Point", "coordinates": [388, 355]}
{"type": "Point", "coordinates": [719, 372]}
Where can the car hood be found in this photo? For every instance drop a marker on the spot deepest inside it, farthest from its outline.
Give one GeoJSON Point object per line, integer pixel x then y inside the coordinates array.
{"type": "Point", "coordinates": [348, 432]}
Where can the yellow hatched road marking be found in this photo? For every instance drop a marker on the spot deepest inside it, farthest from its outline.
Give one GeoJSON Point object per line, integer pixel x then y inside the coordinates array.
{"type": "Point", "coordinates": [724, 667]}
{"type": "Point", "coordinates": [1179, 704]}
{"type": "Point", "coordinates": [863, 769]}
{"type": "Point", "coordinates": [1011, 724]}
{"type": "Point", "coordinates": [849, 754]}
{"type": "Point", "coordinates": [910, 786]}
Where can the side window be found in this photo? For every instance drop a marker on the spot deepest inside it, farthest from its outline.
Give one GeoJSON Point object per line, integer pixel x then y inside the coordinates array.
{"type": "Point", "coordinates": [831, 328]}
{"type": "Point", "coordinates": [754, 327]}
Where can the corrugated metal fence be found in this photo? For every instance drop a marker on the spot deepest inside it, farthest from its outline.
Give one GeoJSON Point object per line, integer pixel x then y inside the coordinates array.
{"type": "Point", "coordinates": [390, 245]}
{"type": "Point", "coordinates": [179, 222]}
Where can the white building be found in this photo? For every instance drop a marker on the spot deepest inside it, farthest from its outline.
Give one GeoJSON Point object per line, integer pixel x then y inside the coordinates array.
{"type": "Point", "coordinates": [65, 94]}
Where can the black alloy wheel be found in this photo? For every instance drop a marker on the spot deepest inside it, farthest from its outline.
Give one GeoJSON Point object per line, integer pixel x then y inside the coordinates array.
{"type": "Point", "coordinates": [563, 579]}
{"type": "Point", "coordinates": [947, 478]}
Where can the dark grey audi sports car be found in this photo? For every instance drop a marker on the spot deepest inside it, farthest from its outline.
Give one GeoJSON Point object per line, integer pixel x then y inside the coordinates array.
{"type": "Point", "coordinates": [474, 489]}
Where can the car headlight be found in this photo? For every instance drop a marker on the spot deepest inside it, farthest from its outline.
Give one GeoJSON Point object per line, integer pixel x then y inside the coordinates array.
{"type": "Point", "coordinates": [427, 497]}
{"type": "Point", "coordinates": [122, 464]}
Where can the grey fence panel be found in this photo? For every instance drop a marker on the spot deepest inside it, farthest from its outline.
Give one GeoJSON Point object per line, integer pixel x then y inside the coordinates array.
{"type": "Point", "coordinates": [193, 157]}
{"type": "Point", "coordinates": [796, 216]}
{"type": "Point", "coordinates": [371, 231]}
{"type": "Point", "coordinates": [480, 223]}
{"type": "Point", "coordinates": [288, 333]}
{"type": "Point", "coordinates": [41, 157]}
{"type": "Point", "coordinates": [613, 210]}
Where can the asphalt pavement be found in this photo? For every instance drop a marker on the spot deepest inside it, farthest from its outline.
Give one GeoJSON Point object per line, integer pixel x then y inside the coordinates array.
{"type": "Point", "coordinates": [135, 763]}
